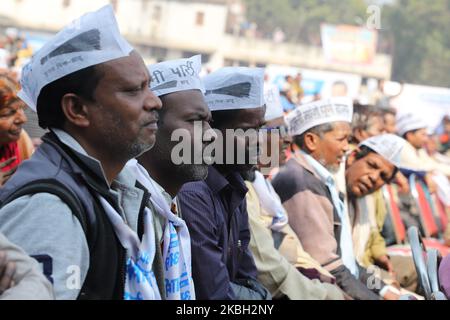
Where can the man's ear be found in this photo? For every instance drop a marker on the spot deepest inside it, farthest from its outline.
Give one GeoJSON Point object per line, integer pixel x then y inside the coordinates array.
{"type": "Point", "coordinates": [311, 141]}
{"type": "Point", "coordinates": [352, 157]}
{"type": "Point", "coordinates": [75, 110]}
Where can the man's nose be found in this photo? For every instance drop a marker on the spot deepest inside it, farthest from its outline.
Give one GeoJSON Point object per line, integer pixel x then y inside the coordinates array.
{"type": "Point", "coordinates": [345, 146]}
{"type": "Point", "coordinates": [374, 176]}
{"type": "Point", "coordinates": [152, 102]}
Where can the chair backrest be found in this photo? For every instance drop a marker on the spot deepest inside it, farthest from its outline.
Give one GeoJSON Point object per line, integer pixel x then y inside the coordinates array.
{"type": "Point", "coordinates": [394, 213]}
{"type": "Point", "coordinates": [432, 267]}
{"type": "Point", "coordinates": [425, 211]}
{"type": "Point", "coordinates": [418, 252]}
{"type": "Point", "coordinates": [438, 296]}
{"type": "Point", "coordinates": [433, 206]}
{"type": "Point", "coordinates": [441, 211]}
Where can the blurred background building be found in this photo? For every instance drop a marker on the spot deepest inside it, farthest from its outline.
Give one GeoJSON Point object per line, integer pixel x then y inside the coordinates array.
{"type": "Point", "coordinates": [310, 49]}
{"type": "Point", "coordinates": [169, 29]}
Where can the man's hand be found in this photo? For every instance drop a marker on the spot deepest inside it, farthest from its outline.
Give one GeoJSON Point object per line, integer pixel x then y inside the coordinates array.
{"type": "Point", "coordinates": [7, 271]}
{"type": "Point", "coordinates": [4, 176]}
{"type": "Point", "coordinates": [384, 263]}
{"type": "Point", "coordinates": [391, 296]}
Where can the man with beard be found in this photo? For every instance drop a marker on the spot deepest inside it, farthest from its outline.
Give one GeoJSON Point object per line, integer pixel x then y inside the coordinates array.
{"type": "Point", "coordinates": [310, 196]}
{"type": "Point", "coordinates": [160, 171]}
{"type": "Point", "coordinates": [67, 205]}
{"type": "Point", "coordinates": [215, 209]}
{"type": "Point", "coordinates": [283, 265]}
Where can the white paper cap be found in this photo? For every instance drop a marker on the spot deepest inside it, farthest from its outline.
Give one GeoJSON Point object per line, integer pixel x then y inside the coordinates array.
{"type": "Point", "coordinates": [409, 121]}
{"type": "Point", "coordinates": [319, 112]}
{"type": "Point", "coordinates": [233, 88]}
{"type": "Point", "coordinates": [90, 40]}
{"type": "Point", "coordinates": [274, 108]}
{"type": "Point", "coordinates": [389, 146]}
{"type": "Point", "coordinates": [176, 75]}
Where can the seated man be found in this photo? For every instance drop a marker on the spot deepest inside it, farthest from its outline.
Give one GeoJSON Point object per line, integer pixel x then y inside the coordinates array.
{"type": "Point", "coordinates": [215, 209]}
{"type": "Point", "coordinates": [366, 123]}
{"type": "Point", "coordinates": [294, 275]}
{"type": "Point", "coordinates": [184, 109]}
{"type": "Point", "coordinates": [373, 164]}
{"type": "Point", "coordinates": [67, 205]}
{"type": "Point", "coordinates": [20, 275]}
{"type": "Point", "coordinates": [309, 194]}
{"type": "Point", "coordinates": [414, 157]}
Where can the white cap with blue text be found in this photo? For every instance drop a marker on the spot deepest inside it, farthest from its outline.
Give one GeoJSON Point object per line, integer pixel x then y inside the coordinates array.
{"type": "Point", "coordinates": [176, 75]}
{"type": "Point", "coordinates": [315, 113]}
{"type": "Point", "coordinates": [274, 109]}
{"type": "Point", "coordinates": [92, 39]}
{"type": "Point", "coordinates": [387, 145]}
{"type": "Point", "coordinates": [232, 88]}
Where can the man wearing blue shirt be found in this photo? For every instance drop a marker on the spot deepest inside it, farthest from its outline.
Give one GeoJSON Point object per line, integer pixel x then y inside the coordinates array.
{"type": "Point", "coordinates": [215, 209]}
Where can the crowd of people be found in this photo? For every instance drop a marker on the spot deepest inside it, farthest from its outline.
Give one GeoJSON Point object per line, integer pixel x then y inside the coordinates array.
{"type": "Point", "coordinates": [110, 205]}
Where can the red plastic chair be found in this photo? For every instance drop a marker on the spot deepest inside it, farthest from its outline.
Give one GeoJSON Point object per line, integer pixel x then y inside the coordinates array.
{"type": "Point", "coordinates": [394, 213]}
{"type": "Point", "coordinates": [400, 230]}
{"type": "Point", "coordinates": [429, 225]}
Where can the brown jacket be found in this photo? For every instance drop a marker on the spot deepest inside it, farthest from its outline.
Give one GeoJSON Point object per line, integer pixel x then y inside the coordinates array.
{"type": "Point", "coordinates": [274, 271]}
{"type": "Point", "coordinates": [314, 219]}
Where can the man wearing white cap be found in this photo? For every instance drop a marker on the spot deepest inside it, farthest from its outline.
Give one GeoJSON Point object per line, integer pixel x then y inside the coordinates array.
{"type": "Point", "coordinates": [368, 168]}
{"type": "Point", "coordinates": [414, 157]}
{"type": "Point", "coordinates": [283, 265]}
{"type": "Point", "coordinates": [180, 89]}
{"type": "Point", "coordinates": [68, 206]}
{"type": "Point", "coordinates": [411, 127]}
{"type": "Point", "coordinates": [309, 193]}
{"type": "Point", "coordinates": [215, 209]}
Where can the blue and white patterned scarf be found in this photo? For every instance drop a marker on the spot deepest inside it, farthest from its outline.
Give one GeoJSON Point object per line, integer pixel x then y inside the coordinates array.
{"type": "Point", "coordinates": [176, 242]}
{"type": "Point", "coordinates": [140, 281]}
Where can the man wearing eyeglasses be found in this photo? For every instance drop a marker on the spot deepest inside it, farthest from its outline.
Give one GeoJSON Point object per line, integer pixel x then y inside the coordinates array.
{"type": "Point", "coordinates": [283, 265]}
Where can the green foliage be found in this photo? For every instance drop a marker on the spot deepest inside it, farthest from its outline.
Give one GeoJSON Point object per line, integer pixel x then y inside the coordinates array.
{"type": "Point", "coordinates": [419, 31]}
{"type": "Point", "coordinates": [301, 19]}
{"type": "Point", "coordinates": [415, 32]}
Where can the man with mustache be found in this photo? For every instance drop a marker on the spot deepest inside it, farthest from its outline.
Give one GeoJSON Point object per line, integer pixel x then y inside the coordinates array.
{"type": "Point", "coordinates": [369, 243]}
{"type": "Point", "coordinates": [215, 209]}
{"type": "Point", "coordinates": [68, 206]}
{"type": "Point", "coordinates": [160, 171]}
{"type": "Point", "coordinates": [308, 191]}
{"type": "Point", "coordinates": [369, 167]}
{"type": "Point", "coordinates": [283, 265]}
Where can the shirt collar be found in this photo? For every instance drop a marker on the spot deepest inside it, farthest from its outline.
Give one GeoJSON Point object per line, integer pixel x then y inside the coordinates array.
{"type": "Point", "coordinates": [92, 163]}
{"type": "Point", "coordinates": [218, 182]}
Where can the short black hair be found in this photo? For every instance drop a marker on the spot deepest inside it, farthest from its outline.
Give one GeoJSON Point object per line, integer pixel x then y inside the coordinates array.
{"type": "Point", "coordinates": [362, 114]}
{"type": "Point", "coordinates": [362, 152]}
{"type": "Point", "coordinates": [82, 82]}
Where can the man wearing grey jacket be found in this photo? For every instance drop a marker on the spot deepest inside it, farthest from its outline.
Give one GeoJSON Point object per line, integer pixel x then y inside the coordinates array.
{"type": "Point", "coordinates": [62, 205]}
{"type": "Point", "coordinates": [20, 276]}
